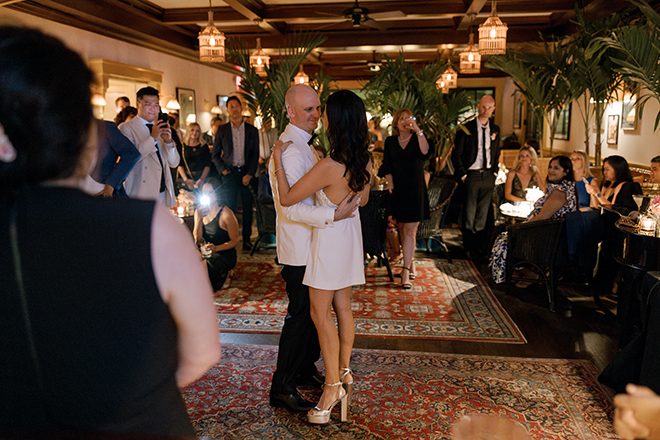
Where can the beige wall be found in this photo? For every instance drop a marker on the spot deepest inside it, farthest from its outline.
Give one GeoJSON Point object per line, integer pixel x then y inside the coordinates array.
{"type": "Point", "coordinates": [206, 81]}
{"type": "Point", "coordinates": [637, 146]}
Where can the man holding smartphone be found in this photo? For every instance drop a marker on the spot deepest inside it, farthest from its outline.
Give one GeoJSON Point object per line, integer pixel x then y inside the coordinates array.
{"type": "Point", "coordinates": [151, 134]}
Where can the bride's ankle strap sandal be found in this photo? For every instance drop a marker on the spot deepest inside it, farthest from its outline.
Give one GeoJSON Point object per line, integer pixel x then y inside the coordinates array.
{"type": "Point", "coordinates": [348, 386]}
{"type": "Point", "coordinates": [322, 416]}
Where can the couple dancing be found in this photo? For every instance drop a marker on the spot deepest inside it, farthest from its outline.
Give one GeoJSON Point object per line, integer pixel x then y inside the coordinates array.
{"type": "Point", "coordinates": [319, 244]}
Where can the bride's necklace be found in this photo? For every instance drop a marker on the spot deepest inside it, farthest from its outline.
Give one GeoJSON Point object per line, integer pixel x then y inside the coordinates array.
{"type": "Point", "coordinates": [404, 140]}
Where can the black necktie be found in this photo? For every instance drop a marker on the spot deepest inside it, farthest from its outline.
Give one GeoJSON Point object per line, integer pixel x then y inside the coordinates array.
{"type": "Point", "coordinates": [311, 140]}
{"type": "Point", "coordinates": [485, 164]}
{"type": "Point", "coordinates": [163, 187]}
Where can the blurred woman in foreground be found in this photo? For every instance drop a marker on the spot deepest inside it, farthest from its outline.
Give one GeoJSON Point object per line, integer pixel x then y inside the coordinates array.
{"type": "Point", "coordinates": [105, 309]}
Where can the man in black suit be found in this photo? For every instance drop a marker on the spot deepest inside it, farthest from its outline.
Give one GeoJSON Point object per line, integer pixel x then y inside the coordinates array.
{"type": "Point", "coordinates": [477, 173]}
{"type": "Point", "coordinates": [236, 156]}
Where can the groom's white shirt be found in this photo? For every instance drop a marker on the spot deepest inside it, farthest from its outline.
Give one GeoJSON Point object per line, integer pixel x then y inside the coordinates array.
{"type": "Point", "coordinates": [295, 223]}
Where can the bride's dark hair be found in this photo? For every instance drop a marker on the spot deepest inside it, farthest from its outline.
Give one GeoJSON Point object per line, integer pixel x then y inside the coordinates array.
{"type": "Point", "coordinates": [349, 136]}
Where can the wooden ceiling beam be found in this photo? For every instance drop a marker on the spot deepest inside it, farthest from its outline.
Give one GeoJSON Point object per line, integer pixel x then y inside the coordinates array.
{"type": "Point", "coordinates": [463, 22]}
{"type": "Point", "coordinates": [254, 10]}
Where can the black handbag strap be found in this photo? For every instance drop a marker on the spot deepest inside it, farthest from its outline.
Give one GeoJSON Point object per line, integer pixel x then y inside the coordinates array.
{"type": "Point", "coordinates": [18, 275]}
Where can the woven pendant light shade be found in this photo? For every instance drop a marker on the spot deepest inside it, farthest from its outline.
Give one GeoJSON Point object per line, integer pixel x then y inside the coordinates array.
{"type": "Point", "coordinates": [492, 35]}
{"type": "Point", "coordinates": [211, 43]}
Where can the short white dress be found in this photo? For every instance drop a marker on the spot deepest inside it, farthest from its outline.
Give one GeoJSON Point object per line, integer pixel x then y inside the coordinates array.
{"type": "Point", "coordinates": [336, 259]}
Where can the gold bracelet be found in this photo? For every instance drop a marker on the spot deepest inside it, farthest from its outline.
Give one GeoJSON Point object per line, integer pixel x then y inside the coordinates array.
{"type": "Point", "coordinates": [280, 168]}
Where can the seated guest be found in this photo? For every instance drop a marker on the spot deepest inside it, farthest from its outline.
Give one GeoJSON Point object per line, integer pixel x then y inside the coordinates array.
{"type": "Point", "coordinates": [654, 177]}
{"type": "Point", "coordinates": [618, 186]}
{"type": "Point", "coordinates": [216, 230]}
{"type": "Point", "coordinates": [195, 163]}
{"type": "Point", "coordinates": [559, 199]}
{"type": "Point", "coordinates": [583, 177]}
{"type": "Point", "coordinates": [617, 190]}
{"type": "Point", "coordinates": [524, 174]}
{"type": "Point", "coordinates": [105, 310]}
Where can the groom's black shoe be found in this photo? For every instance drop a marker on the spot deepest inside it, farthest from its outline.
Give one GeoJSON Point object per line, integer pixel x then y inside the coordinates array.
{"type": "Point", "coordinates": [293, 402]}
{"type": "Point", "coordinates": [315, 380]}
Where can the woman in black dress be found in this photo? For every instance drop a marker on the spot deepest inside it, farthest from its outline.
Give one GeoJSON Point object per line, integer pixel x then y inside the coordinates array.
{"type": "Point", "coordinates": [216, 230]}
{"type": "Point", "coordinates": [403, 168]}
{"type": "Point", "coordinates": [113, 313]}
{"type": "Point", "coordinates": [195, 163]}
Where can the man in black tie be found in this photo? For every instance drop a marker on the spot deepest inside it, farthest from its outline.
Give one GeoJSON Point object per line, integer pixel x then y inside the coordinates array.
{"type": "Point", "coordinates": [475, 159]}
{"type": "Point", "coordinates": [236, 156]}
{"type": "Point", "coordinates": [151, 178]}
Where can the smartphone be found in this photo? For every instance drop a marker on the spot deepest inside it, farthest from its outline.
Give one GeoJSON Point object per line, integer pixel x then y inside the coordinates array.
{"type": "Point", "coordinates": [163, 117]}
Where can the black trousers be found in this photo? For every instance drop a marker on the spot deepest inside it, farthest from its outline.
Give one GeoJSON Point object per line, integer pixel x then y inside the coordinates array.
{"type": "Point", "coordinates": [299, 343]}
{"type": "Point", "coordinates": [478, 198]}
{"type": "Point", "coordinates": [232, 189]}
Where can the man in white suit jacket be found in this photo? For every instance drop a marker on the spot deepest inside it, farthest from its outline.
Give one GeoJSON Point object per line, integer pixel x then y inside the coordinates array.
{"type": "Point", "coordinates": [299, 345]}
{"type": "Point", "coordinates": [151, 178]}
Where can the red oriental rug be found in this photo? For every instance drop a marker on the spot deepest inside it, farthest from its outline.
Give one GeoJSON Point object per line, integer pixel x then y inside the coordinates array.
{"type": "Point", "coordinates": [406, 395]}
{"type": "Point", "coordinates": [447, 302]}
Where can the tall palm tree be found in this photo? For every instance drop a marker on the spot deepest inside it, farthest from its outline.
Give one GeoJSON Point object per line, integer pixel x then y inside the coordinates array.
{"type": "Point", "coordinates": [541, 78]}
{"type": "Point", "coordinates": [592, 75]}
{"type": "Point", "coordinates": [267, 98]}
{"type": "Point", "coordinates": [635, 51]}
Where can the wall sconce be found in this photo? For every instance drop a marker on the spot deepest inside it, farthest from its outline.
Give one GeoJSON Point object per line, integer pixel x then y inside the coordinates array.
{"type": "Point", "coordinates": [173, 105]}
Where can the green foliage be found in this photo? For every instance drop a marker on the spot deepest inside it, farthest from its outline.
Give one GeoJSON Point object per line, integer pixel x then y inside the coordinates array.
{"type": "Point", "coordinates": [635, 50]}
{"type": "Point", "coordinates": [592, 75]}
{"type": "Point", "coordinates": [267, 98]}
{"type": "Point", "coordinates": [398, 86]}
{"type": "Point", "coordinates": [541, 78]}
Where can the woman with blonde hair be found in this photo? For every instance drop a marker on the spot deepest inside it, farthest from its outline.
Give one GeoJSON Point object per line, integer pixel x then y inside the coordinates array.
{"type": "Point", "coordinates": [524, 174]}
{"type": "Point", "coordinates": [195, 163]}
{"type": "Point", "coordinates": [583, 177]}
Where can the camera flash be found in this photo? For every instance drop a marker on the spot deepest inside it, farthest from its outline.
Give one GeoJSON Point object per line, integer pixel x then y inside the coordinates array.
{"type": "Point", "coordinates": [205, 200]}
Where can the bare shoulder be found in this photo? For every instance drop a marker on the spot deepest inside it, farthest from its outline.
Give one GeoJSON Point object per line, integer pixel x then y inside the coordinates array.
{"type": "Point", "coordinates": [174, 256]}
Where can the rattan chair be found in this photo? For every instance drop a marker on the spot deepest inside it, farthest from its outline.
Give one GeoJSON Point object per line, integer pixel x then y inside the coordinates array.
{"type": "Point", "coordinates": [266, 220]}
{"type": "Point", "coordinates": [373, 219]}
{"type": "Point", "coordinates": [440, 192]}
{"type": "Point", "coordinates": [541, 245]}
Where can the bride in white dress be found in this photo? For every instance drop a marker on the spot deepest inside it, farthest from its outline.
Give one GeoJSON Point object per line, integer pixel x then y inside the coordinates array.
{"type": "Point", "coordinates": [336, 260]}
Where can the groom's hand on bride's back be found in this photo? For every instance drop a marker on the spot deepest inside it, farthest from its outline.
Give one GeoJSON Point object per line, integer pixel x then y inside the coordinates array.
{"type": "Point", "coordinates": [347, 207]}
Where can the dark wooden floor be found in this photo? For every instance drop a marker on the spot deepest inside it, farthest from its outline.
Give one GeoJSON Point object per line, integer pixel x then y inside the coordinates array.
{"type": "Point", "coordinates": [578, 330]}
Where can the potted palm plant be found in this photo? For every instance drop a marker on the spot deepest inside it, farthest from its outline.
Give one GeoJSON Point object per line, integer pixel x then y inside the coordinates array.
{"type": "Point", "coordinates": [267, 98]}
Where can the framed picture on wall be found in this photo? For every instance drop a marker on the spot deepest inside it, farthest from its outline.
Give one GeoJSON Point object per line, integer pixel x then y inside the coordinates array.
{"type": "Point", "coordinates": [517, 110]}
{"type": "Point", "coordinates": [563, 129]}
{"type": "Point", "coordinates": [613, 129]}
{"type": "Point", "coordinates": [188, 113]}
{"type": "Point", "coordinates": [629, 112]}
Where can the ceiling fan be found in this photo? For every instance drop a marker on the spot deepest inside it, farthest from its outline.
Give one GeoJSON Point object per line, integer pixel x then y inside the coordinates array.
{"type": "Point", "coordinates": [360, 16]}
{"type": "Point", "coordinates": [374, 65]}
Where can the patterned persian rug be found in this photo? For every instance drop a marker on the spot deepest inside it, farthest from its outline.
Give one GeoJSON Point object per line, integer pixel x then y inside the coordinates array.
{"type": "Point", "coordinates": [447, 301]}
{"type": "Point", "coordinates": [406, 395]}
